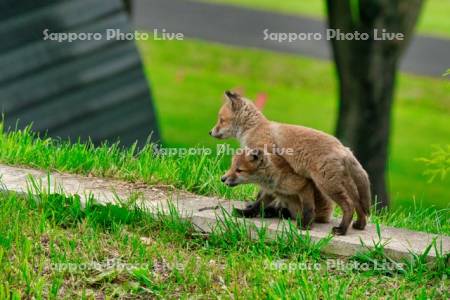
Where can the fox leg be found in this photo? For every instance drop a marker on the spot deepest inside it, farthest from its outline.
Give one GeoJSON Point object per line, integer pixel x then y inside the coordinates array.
{"type": "Point", "coordinates": [307, 200]}
{"type": "Point", "coordinates": [250, 211]}
{"type": "Point", "coordinates": [303, 214]}
{"type": "Point", "coordinates": [343, 200]}
{"type": "Point", "coordinates": [294, 205]}
{"type": "Point", "coordinates": [263, 206]}
{"type": "Point", "coordinates": [336, 191]}
{"type": "Point", "coordinates": [352, 189]}
{"type": "Point", "coordinates": [276, 209]}
{"type": "Point", "coordinates": [323, 207]}
{"type": "Point", "coordinates": [272, 206]}
{"type": "Point", "coordinates": [361, 180]}
{"type": "Point", "coordinates": [253, 209]}
{"type": "Point", "coordinates": [361, 220]}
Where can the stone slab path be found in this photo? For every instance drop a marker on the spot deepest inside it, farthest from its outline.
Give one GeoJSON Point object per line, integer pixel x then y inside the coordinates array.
{"type": "Point", "coordinates": [205, 211]}
{"type": "Point", "coordinates": [245, 27]}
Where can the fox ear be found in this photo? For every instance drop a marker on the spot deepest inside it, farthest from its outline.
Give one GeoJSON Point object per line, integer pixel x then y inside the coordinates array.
{"type": "Point", "coordinates": [234, 98]}
{"type": "Point", "coordinates": [256, 155]}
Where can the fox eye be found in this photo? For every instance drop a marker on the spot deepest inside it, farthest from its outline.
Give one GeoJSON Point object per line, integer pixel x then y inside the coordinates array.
{"type": "Point", "coordinates": [221, 120]}
{"type": "Point", "coordinates": [238, 170]}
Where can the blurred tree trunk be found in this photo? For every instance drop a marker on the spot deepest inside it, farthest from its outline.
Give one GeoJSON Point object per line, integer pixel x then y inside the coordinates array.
{"type": "Point", "coordinates": [367, 72]}
{"type": "Point", "coordinates": [128, 6]}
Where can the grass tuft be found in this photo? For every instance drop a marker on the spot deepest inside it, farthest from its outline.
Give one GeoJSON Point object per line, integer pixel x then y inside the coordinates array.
{"type": "Point", "coordinates": [53, 247]}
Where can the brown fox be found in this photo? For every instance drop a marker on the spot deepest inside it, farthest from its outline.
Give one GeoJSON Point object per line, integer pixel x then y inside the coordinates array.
{"type": "Point", "coordinates": [276, 178]}
{"type": "Point", "coordinates": [318, 156]}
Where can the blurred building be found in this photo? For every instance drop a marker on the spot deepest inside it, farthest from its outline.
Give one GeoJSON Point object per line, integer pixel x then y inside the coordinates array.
{"type": "Point", "coordinates": [92, 88]}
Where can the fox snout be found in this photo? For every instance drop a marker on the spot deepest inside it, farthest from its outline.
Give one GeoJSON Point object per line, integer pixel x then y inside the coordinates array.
{"type": "Point", "coordinates": [230, 181]}
{"type": "Point", "coordinates": [215, 133]}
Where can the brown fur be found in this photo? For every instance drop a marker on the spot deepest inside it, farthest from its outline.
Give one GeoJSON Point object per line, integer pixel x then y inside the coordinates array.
{"type": "Point", "coordinates": [275, 177]}
{"type": "Point", "coordinates": [318, 156]}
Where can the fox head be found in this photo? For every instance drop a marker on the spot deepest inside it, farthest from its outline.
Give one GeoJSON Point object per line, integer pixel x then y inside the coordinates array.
{"type": "Point", "coordinates": [246, 167]}
{"type": "Point", "coordinates": [235, 116]}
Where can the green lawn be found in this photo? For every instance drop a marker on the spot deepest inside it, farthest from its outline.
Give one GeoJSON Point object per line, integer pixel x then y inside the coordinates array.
{"type": "Point", "coordinates": [51, 249]}
{"type": "Point", "coordinates": [189, 77]}
{"type": "Point", "coordinates": [434, 19]}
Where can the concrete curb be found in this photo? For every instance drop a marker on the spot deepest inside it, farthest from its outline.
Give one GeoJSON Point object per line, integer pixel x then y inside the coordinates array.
{"type": "Point", "coordinates": [203, 212]}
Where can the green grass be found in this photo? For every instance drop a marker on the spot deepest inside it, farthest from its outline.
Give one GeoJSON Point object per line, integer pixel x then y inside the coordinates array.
{"type": "Point", "coordinates": [51, 248]}
{"type": "Point", "coordinates": [194, 173]}
{"type": "Point", "coordinates": [189, 77]}
{"type": "Point", "coordinates": [433, 21]}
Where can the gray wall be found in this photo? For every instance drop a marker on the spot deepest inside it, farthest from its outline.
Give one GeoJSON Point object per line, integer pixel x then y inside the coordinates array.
{"type": "Point", "coordinates": [83, 89]}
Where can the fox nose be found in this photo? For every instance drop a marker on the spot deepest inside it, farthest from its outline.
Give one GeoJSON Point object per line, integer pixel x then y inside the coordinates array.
{"type": "Point", "coordinates": [210, 132]}
{"type": "Point", "coordinates": [223, 178]}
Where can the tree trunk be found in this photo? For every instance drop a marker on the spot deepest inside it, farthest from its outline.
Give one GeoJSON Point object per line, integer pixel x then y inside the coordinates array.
{"type": "Point", "coordinates": [128, 6]}
{"type": "Point", "coordinates": [367, 71]}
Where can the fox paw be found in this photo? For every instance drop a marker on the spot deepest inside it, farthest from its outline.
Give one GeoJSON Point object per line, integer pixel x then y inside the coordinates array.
{"type": "Point", "coordinates": [244, 213]}
{"type": "Point", "coordinates": [339, 230]}
{"type": "Point", "coordinates": [275, 212]}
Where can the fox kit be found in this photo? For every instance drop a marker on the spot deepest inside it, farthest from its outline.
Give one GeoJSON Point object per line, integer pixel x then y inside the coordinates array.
{"type": "Point", "coordinates": [276, 178]}
{"type": "Point", "coordinates": [318, 156]}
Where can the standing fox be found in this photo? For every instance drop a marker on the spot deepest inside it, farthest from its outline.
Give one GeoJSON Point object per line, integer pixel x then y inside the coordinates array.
{"type": "Point", "coordinates": [315, 155]}
{"type": "Point", "coordinates": [275, 177]}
